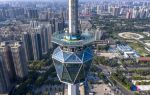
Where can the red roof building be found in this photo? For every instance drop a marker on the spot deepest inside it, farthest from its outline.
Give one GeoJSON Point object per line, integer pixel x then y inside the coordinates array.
{"type": "Point", "coordinates": [144, 59]}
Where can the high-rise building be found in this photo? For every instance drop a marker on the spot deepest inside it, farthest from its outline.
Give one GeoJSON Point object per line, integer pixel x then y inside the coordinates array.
{"type": "Point", "coordinates": [33, 13]}
{"type": "Point", "coordinates": [98, 34]}
{"type": "Point", "coordinates": [1, 13]}
{"type": "Point", "coordinates": [114, 10]}
{"type": "Point", "coordinates": [135, 13]}
{"type": "Point", "coordinates": [147, 14]}
{"type": "Point", "coordinates": [56, 25]}
{"type": "Point", "coordinates": [43, 16]}
{"type": "Point", "coordinates": [36, 43]}
{"type": "Point", "coordinates": [61, 25]}
{"type": "Point", "coordinates": [26, 39]}
{"type": "Point", "coordinates": [44, 39]}
{"type": "Point", "coordinates": [49, 30]}
{"type": "Point", "coordinates": [66, 15]}
{"type": "Point", "coordinates": [19, 58]}
{"type": "Point", "coordinates": [34, 24]}
{"type": "Point", "coordinates": [5, 83]}
{"type": "Point", "coordinates": [72, 58]}
{"type": "Point", "coordinates": [129, 15]}
{"type": "Point", "coordinates": [6, 54]}
{"type": "Point", "coordinates": [98, 10]}
{"type": "Point", "coordinates": [52, 22]}
{"type": "Point", "coordinates": [141, 13]}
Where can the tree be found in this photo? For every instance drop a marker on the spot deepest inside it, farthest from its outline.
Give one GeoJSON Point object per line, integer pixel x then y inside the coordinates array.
{"type": "Point", "coordinates": [39, 81]}
{"type": "Point", "coordinates": [46, 93]}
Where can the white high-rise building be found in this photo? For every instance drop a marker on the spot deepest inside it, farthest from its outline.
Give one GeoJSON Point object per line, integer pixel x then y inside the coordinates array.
{"type": "Point", "coordinates": [135, 13]}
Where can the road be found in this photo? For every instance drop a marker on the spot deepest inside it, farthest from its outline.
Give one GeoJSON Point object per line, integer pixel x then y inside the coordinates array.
{"type": "Point", "coordinates": [107, 72]}
{"type": "Point", "coordinates": [138, 67]}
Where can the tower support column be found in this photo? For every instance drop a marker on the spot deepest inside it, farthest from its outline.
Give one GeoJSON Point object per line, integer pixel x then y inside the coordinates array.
{"type": "Point", "coordinates": [72, 89]}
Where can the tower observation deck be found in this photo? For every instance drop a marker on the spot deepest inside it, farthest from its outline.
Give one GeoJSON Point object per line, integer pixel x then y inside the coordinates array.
{"type": "Point", "coordinates": [73, 57]}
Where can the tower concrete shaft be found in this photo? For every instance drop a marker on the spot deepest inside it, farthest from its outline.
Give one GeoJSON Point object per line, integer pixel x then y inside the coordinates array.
{"type": "Point", "coordinates": [73, 17]}
{"type": "Point", "coordinates": [72, 89]}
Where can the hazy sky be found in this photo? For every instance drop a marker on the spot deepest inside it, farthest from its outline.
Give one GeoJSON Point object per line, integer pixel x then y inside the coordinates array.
{"type": "Point", "coordinates": [50, 0]}
{"type": "Point", "coordinates": [39, 0]}
{"type": "Point", "coordinates": [47, 0]}
{"type": "Point", "coordinates": [67, 0]}
{"type": "Point", "coordinates": [34, 0]}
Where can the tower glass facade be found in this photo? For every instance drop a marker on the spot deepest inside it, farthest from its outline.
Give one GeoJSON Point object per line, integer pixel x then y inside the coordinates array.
{"type": "Point", "coordinates": [72, 67]}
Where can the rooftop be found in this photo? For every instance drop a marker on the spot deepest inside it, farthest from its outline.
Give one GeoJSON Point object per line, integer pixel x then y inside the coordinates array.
{"type": "Point", "coordinates": [144, 59]}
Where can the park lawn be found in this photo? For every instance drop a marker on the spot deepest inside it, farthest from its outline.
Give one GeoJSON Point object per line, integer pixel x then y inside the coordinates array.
{"type": "Point", "coordinates": [139, 48]}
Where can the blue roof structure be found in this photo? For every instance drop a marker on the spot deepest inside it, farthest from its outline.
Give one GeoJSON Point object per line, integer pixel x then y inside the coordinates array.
{"type": "Point", "coordinates": [127, 50]}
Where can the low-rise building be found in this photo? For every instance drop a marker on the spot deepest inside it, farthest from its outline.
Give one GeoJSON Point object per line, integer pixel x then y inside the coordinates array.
{"type": "Point", "coordinates": [127, 51]}
{"type": "Point", "coordinates": [143, 59]}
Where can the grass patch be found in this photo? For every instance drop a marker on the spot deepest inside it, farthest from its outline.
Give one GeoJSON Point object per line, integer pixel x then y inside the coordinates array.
{"type": "Point", "coordinates": [139, 48]}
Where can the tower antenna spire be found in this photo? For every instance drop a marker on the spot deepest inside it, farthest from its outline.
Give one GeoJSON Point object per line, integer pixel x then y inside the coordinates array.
{"type": "Point", "coordinates": [73, 17]}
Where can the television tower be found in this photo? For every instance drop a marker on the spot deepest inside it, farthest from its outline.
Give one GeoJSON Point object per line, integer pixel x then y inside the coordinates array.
{"type": "Point", "coordinates": [73, 57]}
